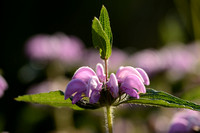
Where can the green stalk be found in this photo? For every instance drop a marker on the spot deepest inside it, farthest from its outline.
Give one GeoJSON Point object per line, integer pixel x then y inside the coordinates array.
{"type": "Point", "coordinates": [108, 108]}
{"type": "Point", "coordinates": [108, 119]}
{"type": "Point", "coordinates": [106, 69]}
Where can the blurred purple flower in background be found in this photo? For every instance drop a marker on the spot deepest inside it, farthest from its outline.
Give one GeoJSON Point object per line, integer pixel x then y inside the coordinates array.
{"type": "Point", "coordinates": [180, 59]}
{"type": "Point", "coordinates": [67, 49]}
{"type": "Point", "coordinates": [176, 59]}
{"type": "Point", "coordinates": [58, 83]}
{"type": "Point", "coordinates": [117, 59]}
{"type": "Point", "coordinates": [91, 58]}
{"type": "Point", "coordinates": [123, 126]}
{"type": "Point", "coordinates": [187, 121]}
{"type": "Point", "coordinates": [148, 60]}
{"type": "Point", "coordinates": [3, 86]}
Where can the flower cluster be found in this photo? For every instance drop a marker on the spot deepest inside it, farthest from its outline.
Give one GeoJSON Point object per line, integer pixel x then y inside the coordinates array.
{"type": "Point", "coordinates": [85, 82]}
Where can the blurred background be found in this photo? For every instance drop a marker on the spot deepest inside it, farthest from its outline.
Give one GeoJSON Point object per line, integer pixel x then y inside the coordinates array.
{"type": "Point", "coordinates": [44, 42]}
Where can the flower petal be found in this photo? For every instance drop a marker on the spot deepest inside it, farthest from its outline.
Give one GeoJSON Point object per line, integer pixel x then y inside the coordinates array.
{"type": "Point", "coordinates": [112, 84]}
{"type": "Point", "coordinates": [123, 72]}
{"type": "Point", "coordinates": [95, 95]}
{"type": "Point", "coordinates": [131, 92]}
{"type": "Point", "coordinates": [84, 74]}
{"type": "Point", "coordinates": [93, 84]}
{"type": "Point", "coordinates": [133, 81]}
{"type": "Point", "coordinates": [75, 85]}
{"type": "Point", "coordinates": [100, 72]}
{"type": "Point", "coordinates": [76, 98]}
{"type": "Point", "coordinates": [144, 75]}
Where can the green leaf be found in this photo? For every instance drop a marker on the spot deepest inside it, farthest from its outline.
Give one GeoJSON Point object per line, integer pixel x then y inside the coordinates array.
{"type": "Point", "coordinates": [53, 98]}
{"type": "Point", "coordinates": [105, 22]}
{"type": "Point", "coordinates": [102, 35]}
{"type": "Point", "coordinates": [159, 98]}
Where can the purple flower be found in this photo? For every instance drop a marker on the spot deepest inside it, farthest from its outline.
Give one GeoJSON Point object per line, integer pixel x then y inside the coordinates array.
{"type": "Point", "coordinates": [187, 121]}
{"type": "Point", "coordinates": [86, 82]}
{"type": "Point", "coordinates": [3, 85]}
{"type": "Point", "coordinates": [132, 80]}
{"type": "Point", "coordinates": [112, 85]}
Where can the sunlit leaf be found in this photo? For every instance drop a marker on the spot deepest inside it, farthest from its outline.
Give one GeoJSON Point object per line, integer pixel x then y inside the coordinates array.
{"type": "Point", "coordinates": [102, 35]}
{"type": "Point", "coordinates": [105, 22]}
{"type": "Point", "coordinates": [163, 99]}
{"type": "Point", "coordinates": [53, 98]}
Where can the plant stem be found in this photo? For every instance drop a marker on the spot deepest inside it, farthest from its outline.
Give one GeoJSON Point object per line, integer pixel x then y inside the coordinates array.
{"type": "Point", "coordinates": [106, 69]}
{"type": "Point", "coordinates": [108, 119]}
{"type": "Point", "coordinates": [108, 109]}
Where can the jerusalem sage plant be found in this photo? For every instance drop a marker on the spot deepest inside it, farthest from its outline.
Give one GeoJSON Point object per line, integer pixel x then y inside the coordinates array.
{"type": "Point", "coordinates": [92, 90]}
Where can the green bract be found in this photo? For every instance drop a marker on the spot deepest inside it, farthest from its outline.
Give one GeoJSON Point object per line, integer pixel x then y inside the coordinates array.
{"type": "Point", "coordinates": [53, 98]}
{"type": "Point", "coordinates": [102, 34]}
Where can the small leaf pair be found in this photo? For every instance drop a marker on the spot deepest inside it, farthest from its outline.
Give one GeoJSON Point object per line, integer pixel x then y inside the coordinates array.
{"type": "Point", "coordinates": [102, 34]}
